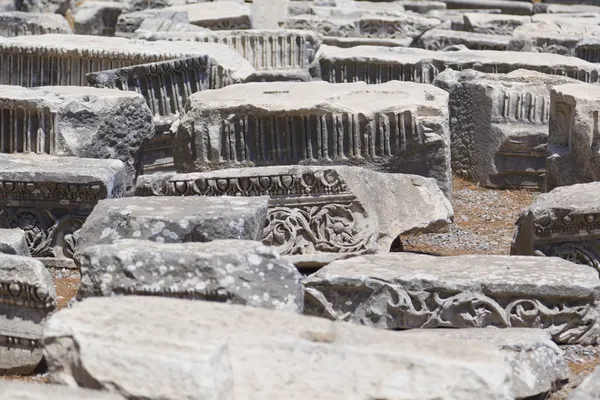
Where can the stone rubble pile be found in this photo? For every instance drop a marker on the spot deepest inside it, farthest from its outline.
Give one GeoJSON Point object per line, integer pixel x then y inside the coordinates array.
{"type": "Point", "coordinates": [232, 178]}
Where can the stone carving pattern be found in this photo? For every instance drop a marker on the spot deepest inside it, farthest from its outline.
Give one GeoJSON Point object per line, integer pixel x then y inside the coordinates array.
{"type": "Point", "coordinates": [52, 191]}
{"type": "Point", "coordinates": [395, 29]}
{"type": "Point", "coordinates": [27, 130]}
{"type": "Point", "coordinates": [394, 307]}
{"type": "Point", "coordinates": [19, 342]}
{"type": "Point", "coordinates": [524, 107]}
{"type": "Point", "coordinates": [324, 27]}
{"type": "Point", "coordinates": [505, 28]}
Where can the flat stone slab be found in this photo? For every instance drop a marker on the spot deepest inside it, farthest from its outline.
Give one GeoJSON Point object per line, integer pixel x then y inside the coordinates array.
{"type": "Point", "coordinates": [232, 271]}
{"type": "Point", "coordinates": [174, 219]}
{"type": "Point", "coordinates": [332, 211]}
{"type": "Point", "coordinates": [199, 349]}
{"type": "Point", "coordinates": [35, 391]}
{"type": "Point", "coordinates": [17, 23]}
{"type": "Point", "coordinates": [27, 298]}
{"type": "Point", "coordinates": [50, 197]}
{"type": "Point", "coordinates": [129, 22]}
{"type": "Point", "coordinates": [398, 127]}
{"type": "Point", "coordinates": [494, 23]}
{"type": "Point", "coordinates": [439, 39]}
{"type": "Point", "coordinates": [376, 64]}
{"type": "Point", "coordinates": [560, 36]}
{"type": "Point", "coordinates": [217, 15]}
{"type": "Point", "coordinates": [537, 363]}
{"type": "Point", "coordinates": [404, 291]}
{"type": "Point", "coordinates": [14, 241]}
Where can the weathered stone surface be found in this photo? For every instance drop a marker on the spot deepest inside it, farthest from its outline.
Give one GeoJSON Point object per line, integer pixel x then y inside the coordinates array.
{"type": "Point", "coordinates": [165, 25]}
{"type": "Point", "coordinates": [373, 64]}
{"type": "Point", "coordinates": [197, 349]}
{"type": "Point", "coordinates": [588, 49]}
{"type": "Point", "coordinates": [403, 291]}
{"type": "Point", "coordinates": [217, 15]}
{"type": "Point", "coordinates": [439, 39]}
{"type": "Point", "coordinates": [97, 17]}
{"type": "Point", "coordinates": [589, 389]}
{"type": "Point", "coordinates": [499, 125]}
{"type": "Point", "coordinates": [233, 271]}
{"type": "Point", "coordinates": [174, 219]}
{"type": "Point", "coordinates": [393, 127]}
{"type": "Point", "coordinates": [562, 223]}
{"type": "Point", "coordinates": [138, 5]}
{"type": "Point", "coordinates": [267, 14]}
{"type": "Point", "coordinates": [346, 42]}
{"type": "Point", "coordinates": [322, 210]}
{"type": "Point", "coordinates": [573, 154]}
{"type": "Point", "coordinates": [128, 23]}
{"type": "Point", "coordinates": [494, 24]}
{"type": "Point", "coordinates": [76, 121]}
{"type": "Point", "coordinates": [506, 6]}
{"type": "Point", "coordinates": [14, 241]}
{"type": "Point", "coordinates": [18, 23]}
{"type": "Point", "coordinates": [557, 37]}
{"type": "Point", "coordinates": [35, 391]}
{"type": "Point", "coordinates": [45, 6]}
{"type": "Point", "coordinates": [50, 197]}
{"type": "Point", "coordinates": [27, 297]}
{"type": "Point", "coordinates": [83, 53]}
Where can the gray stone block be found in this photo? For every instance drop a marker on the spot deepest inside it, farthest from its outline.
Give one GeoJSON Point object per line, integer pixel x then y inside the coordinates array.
{"type": "Point", "coordinates": [27, 298]}
{"type": "Point", "coordinates": [97, 17]}
{"type": "Point", "coordinates": [232, 271]}
{"type": "Point", "coordinates": [209, 350]}
{"type": "Point", "coordinates": [439, 39]}
{"type": "Point", "coordinates": [493, 23]}
{"type": "Point", "coordinates": [217, 15]}
{"type": "Point", "coordinates": [506, 6]}
{"type": "Point", "coordinates": [404, 291]}
{"type": "Point", "coordinates": [129, 22]}
{"type": "Point", "coordinates": [17, 23]}
{"type": "Point", "coordinates": [14, 241]}
{"type": "Point", "coordinates": [558, 37]}
{"type": "Point", "coordinates": [174, 219]}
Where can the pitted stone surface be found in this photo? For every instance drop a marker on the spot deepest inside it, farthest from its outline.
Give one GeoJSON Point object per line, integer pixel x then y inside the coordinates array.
{"type": "Point", "coordinates": [399, 127]}
{"type": "Point", "coordinates": [403, 291]}
{"type": "Point", "coordinates": [589, 389]}
{"type": "Point", "coordinates": [214, 351]}
{"type": "Point", "coordinates": [233, 271]}
{"type": "Point", "coordinates": [537, 363]}
{"type": "Point", "coordinates": [27, 298]}
{"type": "Point", "coordinates": [17, 23]}
{"type": "Point", "coordinates": [35, 391]}
{"type": "Point", "coordinates": [174, 219]}
{"type": "Point", "coordinates": [14, 241]}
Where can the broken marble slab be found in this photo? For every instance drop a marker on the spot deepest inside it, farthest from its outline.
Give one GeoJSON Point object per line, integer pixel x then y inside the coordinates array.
{"type": "Point", "coordinates": [165, 25]}
{"type": "Point", "coordinates": [405, 291]}
{"type": "Point", "coordinates": [50, 197]}
{"type": "Point", "coordinates": [399, 127]}
{"type": "Point", "coordinates": [558, 37]}
{"type": "Point", "coordinates": [174, 219]}
{"type": "Point", "coordinates": [507, 6]}
{"type": "Point", "coordinates": [374, 64]}
{"type": "Point", "coordinates": [499, 125]}
{"type": "Point", "coordinates": [210, 350]}
{"type": "Point", "coordinates": [319, 211]}
{"type": "Point", "coordinates": [97, 17]}
{"type": "Point", "coordinates": [16, 390]}
{"type": "Point", "coordinates": [17, 23]}
{"type": "Point", "coordinates": [589, 389]}
{"type": "Point", "coordinates": [440, 39]}
{"type": "Point", "coordinates": [27, 298]}
{"type": "Point", "coordinates": [45, 6]}
{"type": "Point", "coordinates": [562, 223]}
{"type": "Point", "coordinates": [48, 56]}
{"type": "Point", "coordinates": [217, 15]}
{"type": "Point", "coordinates": [76, 121]}
{"type": "Point", "coordinates": [572, 149]}
{"type": "Point", "coordinates": [537, 363]}
{"type": "Point", "coordinates": [233, 271]}
{"type": "Point", "coordinates": [128, 23]}
{"type": "Point", "coordinates": [493, 23]}
{"type": "Point", "coordinates": [14, 241]}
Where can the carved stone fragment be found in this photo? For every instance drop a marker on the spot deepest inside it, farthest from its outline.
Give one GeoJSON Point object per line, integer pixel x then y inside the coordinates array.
{"type": "Point", "coordinates": [374, 64]}
{"type": "Point", "coordinates": [573, 135]}
{"type": "Point", "coordinates": [404, 291]}
{"type": "Point", "coordinates": [97, 17]}
{"type": "Point", "coordinates": [50, 197]}
{"type": "Point", "coordinates": [210, 350]}
{"type": "Point", "coordinates": [36, 391]}
{"type": "Point", "coordinates": [217, 15]}
{"type": "Point", "coordinates": [14, 241]}
{"type": "Point", "coordinates": [563, 223]}
{"type": "Point", "coordinates": [45, 6]}
{"type": "Point", "coordinates": [588, 49]}
{"type": "Point", "coordinates": [537, 363]}
{"type": "Point", "coordinates": [128, 23]}
{"type": "Point", "coordinates": [396, 127]}
{"type": "Point", "coordinates": [27, 297]}
{"type": "Point", "coordinates": [439, 39]}
{"type": "Point", "coordinates": [321, 210]}
{"type": "Point", "coordinates": [232, 271]}
{"type": "Point", "coordinates": [18, 23]}
{"type": "Point", "coordinates": [559, 37]}
{"type": "Point", "coordinates": [75, 121]}
{"type": "Point", "coordinates": [506, 6]}
{"type": "Point", "coordinates": [174, 219]}
{"type": "Point", "coordinates": [499, 125]}
{"type": "Point", "coordinates": [494, 24]}
{"type": "Point", "coordinates": [165, 25]}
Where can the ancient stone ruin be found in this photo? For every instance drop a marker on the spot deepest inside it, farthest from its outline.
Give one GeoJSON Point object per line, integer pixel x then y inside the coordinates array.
{"type": "Point", "coordinates": [299, 199]}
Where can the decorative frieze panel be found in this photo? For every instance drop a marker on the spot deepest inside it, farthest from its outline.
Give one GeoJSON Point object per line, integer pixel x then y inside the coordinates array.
{"type": "Point", "coordinates": [27, 130]}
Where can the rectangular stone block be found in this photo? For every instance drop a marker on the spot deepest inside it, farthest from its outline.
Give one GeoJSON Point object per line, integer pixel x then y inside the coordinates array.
{"type": "Point", "coordinates": [17, 23]}
{"type": "Point", "coordinates": [373, 64]}
{"type": "Point", "coordinates": [588, 49]}
{"type": "Point", "coordinates": [64, 60]}
{"type": "Point", "coordinates": [507, 6]}
{"type": "Point", "coordinates": [50, 197]}
{"type": "Point", "coordinates": [166, 25]}
{"type": "Point", "coordinates": [174, 220]}
{"type": "Point", "coordinates": [499, 125]}
{"type": "Point", "coordinates": [494, 24]}
{"type": "Point", "coordinates": [116, 343]}
{"type": "Point", "coordinates": [404, 291]}
{"type": "Point", "coordinates": [14, 241]}
{"type": "Point", "coordinates": [27, 298]}
{"type": "Point", "coordinates": [383, 128]}
{"type": "Point", "coordinates": [217, 15]}
{"type": "Point", "coordinates": [129, 22]}
{"type": "Point", "coordinates": [572, 153]}
{"type": "Point", "coordinates": [76, 121]}
{"type": "Point", "coordinates": [346, 42]}
{"type": "Point", "coordinates": [97, 17]}
{"type": "Point", "coordinates": [439, 39]}
{"type": "Point", "coordinates": [321, 213]}
{"type": "Point", "coordinates": [559, 37]}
